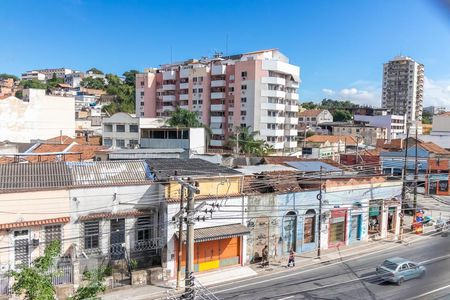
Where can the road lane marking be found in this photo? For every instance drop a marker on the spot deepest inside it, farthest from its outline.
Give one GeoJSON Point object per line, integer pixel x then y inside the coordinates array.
{"type": "Point", "coordinates": [421, 238]}
{"type": "Point", "coordinates": [324, 286]}
{"type": "Point", "coordinates": [286, 298]}
{"type": "Point", "coordinates": [430, 292]}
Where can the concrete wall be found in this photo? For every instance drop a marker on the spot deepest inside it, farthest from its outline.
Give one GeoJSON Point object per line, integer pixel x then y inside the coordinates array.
{"type": "Point", "coordinates": [41, 117]}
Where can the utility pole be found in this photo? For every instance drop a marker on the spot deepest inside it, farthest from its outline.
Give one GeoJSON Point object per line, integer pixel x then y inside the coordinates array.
{"type": "Point", "coordinates": [319, 197]}
{"type": "Point", "coordinates": [416, 171]}
{"type": "Point", "coordinates": [357, 148]}
{"type": "Point", "coordinates": [180, 240]}
{"type": "Point", "coordinates": [402, 200]}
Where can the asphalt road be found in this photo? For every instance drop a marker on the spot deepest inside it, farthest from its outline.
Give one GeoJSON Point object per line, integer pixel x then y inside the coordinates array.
{"type": "Point", "coordinates": [353, 278]}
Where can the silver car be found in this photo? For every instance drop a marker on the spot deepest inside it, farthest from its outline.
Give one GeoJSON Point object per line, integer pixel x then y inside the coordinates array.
{"type": "Point", "coordinates": [398, 269]}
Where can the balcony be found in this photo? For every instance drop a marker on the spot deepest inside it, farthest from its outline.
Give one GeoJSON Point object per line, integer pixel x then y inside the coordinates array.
{"type": "Point", "coordinates": [184, 96]}
{"type": "Point", "coordinates": [184, 107]}
{"type": "Point", "coordinates": [272, 120]}
{"type": "Point", "coordinates": [277, 145]}
{"type": "Point", "coordinates": [271, 132]}
{"type": "Point", "coordinates": [169, 75]}
{"type": "Point", "coordinates": [273, 106]}
{"type": "Point", "coordinates": [292, 96]}
{"type": "Point", "coordinates": [218, 70]}
{"type": "Point", "coordinates": [168, 98]}
{"type": "Point", "coordinates": [273, 93]}
{"type": "Point", "coordinates": [218, 95]}
{"type": "Point", "coordinates": [168, 108]}
{"type": "Point", "coordinates": [292, 84]}
{"type": "Point", "coordinates": [218, 83]}
{"type": "Point", "coordinates": [291, 144]}
{"type": "Point", "coordinates": [217, 119]}
{"type": "Point", "coordinates": [184, 73]}
{"type": "Point", "coordinates": [218, 107]}
{"type": "Point", "coordinates": [291, 120]}
{"type": "Point", "coordinates": [273, 80]}
{"type": "Point", "coordinates": [218, 131]}
{"type": "Point", "coordinates": [169, 87]}
{"type": "Point", "coordinates": [184, 86]}
{"type": "Point", "coordinates": [292, 108]}
{"type": "Point", "coordinates": [217, 143]}
{"type": "Point", "coordinates": [290, 132]}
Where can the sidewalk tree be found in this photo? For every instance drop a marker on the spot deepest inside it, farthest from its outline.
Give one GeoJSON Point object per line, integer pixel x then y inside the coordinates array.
{"type": "Point", "coordinates": [93, 286]}
{"type": "Point", "coordinates": [34, 282]}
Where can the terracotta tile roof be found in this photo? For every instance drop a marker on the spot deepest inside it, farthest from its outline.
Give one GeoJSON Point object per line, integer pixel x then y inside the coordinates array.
{"type": "Point", "coordinates": [348, 139]}
{"type": "Point", "coordinates": [310, 113]}
{"type": "Point", "coordinates": [433, 148]}
{"type": "Point", "coordinates": [87, 152]}
{"type": "Point", "coordinates": [120, 214]}
{"type": "Point", "coordinates": [283, 160]}
{"type": "Point", "coordinates": [204, 197]}
{"type": "Point", "coordinates": [276, 182]}
{"type": "Point", "coordinates": [34, 223]}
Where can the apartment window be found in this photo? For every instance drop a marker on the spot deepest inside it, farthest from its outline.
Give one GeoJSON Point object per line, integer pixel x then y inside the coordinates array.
{"type": "Point", "coordinates": [194, 79]}
{"type": "Point", "coordinates": [231, 77]}
{"type": "Point", "coordinates": [200, 79]}
{"type": "Point", "coordinates": [230, 113]}
{"type": "Point", "coordinates": [142, 103]}
{"type": "Point", "coordinates": [244, 100]}
{"type": "Point", "coordinates": [52, 233]}
{"type": "Point", "coordinates": [194, 102]}
{"type": "Point", "coordinates": [243, 113]}
{"type": "Point", "coordinates": [120, 128]}
{"type": "Point", "coordinates": [231, 88]}
{"type": "Point", "coordinates": [300, 119]}
{"type": "Point", "coordinates": [107, 128]}
{"type": "Point", "coordinates": [145, 228]}
{"type": "Point", "coordinates": [194, 91]}
{"type": "Point", "coordinates": [142, 94]}
{"type": "Point", "coordinates": [200, 101]}
{"type": "Point", "coordinates": [134, 128]}
{"type": "Point", "coordinates": [244, 74]}
{"type": "Point", "coordinates": [142, 114]}
{"type": "Point", "coordinates": [200, 90]}
{"type": "Point", "coordinates": [91, 235]}
{"type": "Point", "coordinates": [107, 142]}
{"type": "Point", "coordinates": [120, 143]}
{"type": "Point", "coordinates": [313, 119]}
{"type": "Point", "coordinates": [243, 87]}
{"type": "Point", "coordinates": [243, 125]}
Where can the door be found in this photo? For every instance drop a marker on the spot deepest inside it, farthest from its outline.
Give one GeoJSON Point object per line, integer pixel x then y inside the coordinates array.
{"type": "Point", "coordinates": [117, 239]}
{"type": "Point", "coordinates": [290, 231]}
{"type": "Point", "coordinates": [354, 228]}
{"type": "Point", "coordinates": [405, 271]}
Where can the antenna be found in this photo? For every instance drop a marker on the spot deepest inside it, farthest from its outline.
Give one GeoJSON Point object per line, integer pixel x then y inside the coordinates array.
{"type": "Point", "coordinates": [171, 54]}
{"type": "Point", "coordinates": [226, 45]}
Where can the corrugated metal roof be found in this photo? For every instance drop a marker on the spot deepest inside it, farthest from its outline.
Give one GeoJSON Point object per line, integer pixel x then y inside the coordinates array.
{"type": "Point", "coordinates": [312, 166]}
{"type": "Point", "coordinates": [217, 232]}
{"type": "Point", "coordinates": [164, 168]}
{"type": "Point", "coordinates": [109, 172]}
{"type": "Point", "coordinates": [34, 176]}
{"type": "Point", "coordinates": [249, 170]}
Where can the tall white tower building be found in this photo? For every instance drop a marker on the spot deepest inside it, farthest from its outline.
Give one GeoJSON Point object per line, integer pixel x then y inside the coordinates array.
{"type": "Point", "coordinates": [403, 89]}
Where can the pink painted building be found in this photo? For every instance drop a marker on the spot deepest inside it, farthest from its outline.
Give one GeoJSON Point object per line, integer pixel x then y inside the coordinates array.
{"type": "Point", "coordinates": [256, 89]}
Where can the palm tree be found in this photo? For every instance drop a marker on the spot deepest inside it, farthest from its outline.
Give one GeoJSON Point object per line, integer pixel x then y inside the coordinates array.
{"type": "Point", "coordinates": [245, 142]}
{"type": "Point", "coordinates": [183, 118]}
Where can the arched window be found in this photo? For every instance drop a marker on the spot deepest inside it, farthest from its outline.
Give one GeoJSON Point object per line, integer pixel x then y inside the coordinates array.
{"type": "Point", "coordinates": [290, 230]}
{"type": "Point", "coordinates": [309, 226]}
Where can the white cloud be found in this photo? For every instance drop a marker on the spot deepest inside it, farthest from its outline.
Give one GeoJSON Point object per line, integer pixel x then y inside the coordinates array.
{"type": "Point", "coordinates": [328, 91]}
{"type": "Point", "coordinates": [370, 96]}
{"type": "Point", "coordinates": [436, 92]}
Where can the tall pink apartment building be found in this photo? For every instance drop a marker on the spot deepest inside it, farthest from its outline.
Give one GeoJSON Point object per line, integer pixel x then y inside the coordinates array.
{"type": "Point", "coordinates": [256, 89]}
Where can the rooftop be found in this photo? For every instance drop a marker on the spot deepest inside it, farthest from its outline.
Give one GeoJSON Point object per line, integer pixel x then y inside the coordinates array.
{"type": "Point", "coordinates": [310, 112]}
{"type": "Point", "coordinates": [313, 166]}
{"type": "Point", "coordinates": [164, 168]}
{"type": "Point", "coordinates": [268, 168]}
{"type": "Point", "coordinates": [347, 139]}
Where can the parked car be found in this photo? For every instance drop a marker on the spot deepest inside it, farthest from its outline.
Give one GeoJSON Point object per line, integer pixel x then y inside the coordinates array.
{"type": "Point", "coordinates": [398, 270]}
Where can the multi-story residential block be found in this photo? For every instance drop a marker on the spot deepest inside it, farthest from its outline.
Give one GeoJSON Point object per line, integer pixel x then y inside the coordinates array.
{"type": "Point", "coordinates": [435, 110]}
{"type": "Point", "coordinates": [50, 73]}
{"type": "Point", "coordinates": [394, 124]}
{"type": "Point", "coordinates": [37, 116]}
{"type": "Point", "coordinates": [256, 89]}
{"type": "Point", "coordinates": [30, 75]}
{"type": "Point", "coordinates": [441, 124]}
{"type": "Point", "coordinates": [368, 134]}
{"type": "Point", "coordinates": [309, 119]}
{"type": "Point", "coordinates": [403, 89]}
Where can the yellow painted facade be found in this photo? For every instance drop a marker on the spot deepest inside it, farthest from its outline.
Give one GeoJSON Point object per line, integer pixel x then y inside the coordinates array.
{"type": "Point", "coordinates": [214, 187]}
{"type": "Point", "coordinates": [209, 265]}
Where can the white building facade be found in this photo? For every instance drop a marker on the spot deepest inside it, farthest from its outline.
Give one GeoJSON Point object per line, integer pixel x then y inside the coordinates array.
{"type": "Point", "coordinates": [394, 124]}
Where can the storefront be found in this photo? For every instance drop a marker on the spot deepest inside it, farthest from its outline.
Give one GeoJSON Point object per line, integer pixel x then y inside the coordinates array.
{"type": "Point", "coordinates": [375, 217]}
{"type": "Point", "coordinates": [216, 247]}
{"type": "Point", "coordinates": [437, 184]}
{"type": "Point", "coordinates": [337, 228]}
{"type": "Point", "coordinates": [392, 220]}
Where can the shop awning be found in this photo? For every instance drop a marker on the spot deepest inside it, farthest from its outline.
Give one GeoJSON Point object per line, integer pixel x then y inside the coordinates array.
{"type": "Point", "coordinates": [217, 232]}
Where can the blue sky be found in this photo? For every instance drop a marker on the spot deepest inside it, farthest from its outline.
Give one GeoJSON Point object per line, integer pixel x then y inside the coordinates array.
{"type": "Point", "coordinates": [340, 46]}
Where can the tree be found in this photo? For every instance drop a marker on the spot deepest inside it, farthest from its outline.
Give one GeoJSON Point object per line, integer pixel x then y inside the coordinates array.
{"type": "Point", "coordinates": [52, 83]}
{"type": "Point", "coordinates": [93, 287]}
{"type": "Point", "coordinates": [94, 71]}
{"type": "Point", "coordinates": [33, 84]}
{"type": "Point", "coordinates": [340, 115]}
{"type": "Point", "coordinates": [6, 76]}
{"type": "Point", "coordinates": [310, 105]}
{"type": "Point", "coordinates": [130, 77]}
{"type": "Point", "coordinates": [183, 118]}
{"type": "Point", "coordinates": [427, 117]}
{"type": "Point", "coordinates": [34, 282]}
{"type": "Point", "coordinates": [246, 140]}
{"type": "Point", "coordinates": [93, 83]}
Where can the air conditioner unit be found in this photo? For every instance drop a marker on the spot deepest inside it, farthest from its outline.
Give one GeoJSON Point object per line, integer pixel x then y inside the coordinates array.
{"type": "Point", "coordinates": [244, 78]}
